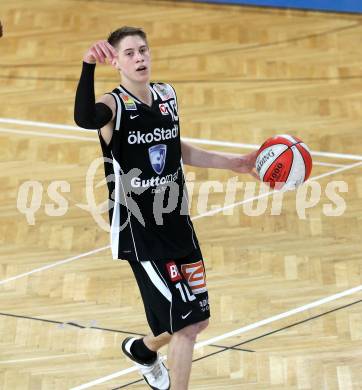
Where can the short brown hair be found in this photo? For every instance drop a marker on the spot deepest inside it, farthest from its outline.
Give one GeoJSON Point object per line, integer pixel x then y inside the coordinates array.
{"type": "Point", "coordinates": [116, 36]}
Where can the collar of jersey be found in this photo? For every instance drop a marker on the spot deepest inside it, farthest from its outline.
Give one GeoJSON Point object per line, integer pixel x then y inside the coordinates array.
{"type": "Point", "coordinates": [122, 89]}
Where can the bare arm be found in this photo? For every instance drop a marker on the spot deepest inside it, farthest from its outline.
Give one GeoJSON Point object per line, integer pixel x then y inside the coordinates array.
{"type": "Point", "coordinates": [197, 157]}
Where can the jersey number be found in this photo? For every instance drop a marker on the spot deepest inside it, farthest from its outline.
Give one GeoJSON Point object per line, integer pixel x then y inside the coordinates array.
{"type": "Point", "coordinates": [185, 294]}
{"type": "Point", "coordinates": [169, 108]}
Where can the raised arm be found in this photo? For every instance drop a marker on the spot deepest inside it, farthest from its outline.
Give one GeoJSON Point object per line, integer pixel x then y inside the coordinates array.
{"type": "Point", "coordinates": [87, 113]}
{"type": "Point", "coordinates": [197, 157]}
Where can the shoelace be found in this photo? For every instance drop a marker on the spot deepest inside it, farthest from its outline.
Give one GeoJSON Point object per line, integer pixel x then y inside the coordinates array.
{"type": "Point", "coordinates": [156, 370]}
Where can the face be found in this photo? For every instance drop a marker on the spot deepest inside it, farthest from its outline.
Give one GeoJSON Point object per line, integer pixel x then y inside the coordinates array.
{"type": "Point", "coordinates": [134, 60]}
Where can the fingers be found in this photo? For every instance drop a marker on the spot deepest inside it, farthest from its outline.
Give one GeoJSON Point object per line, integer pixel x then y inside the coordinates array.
{"type": "Point", "coordinates": [253, 155]}
{"type": "Point", "coordinates": [110, 51]}
{"type": "Point", "coordinates": [97, 54]}
{"type": "Point", "coordinates": [92, 56]}
{"type": "Point", "coordinates": [101, 51]}
{"type": "Point", "coordinates": [106, 52]}
{"type": "Point", "coordinates": [254, 174]}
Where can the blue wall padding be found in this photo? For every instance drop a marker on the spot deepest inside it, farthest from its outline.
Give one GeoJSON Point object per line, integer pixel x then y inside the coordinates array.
{"type": "Point", "coordinates": [354, 6]}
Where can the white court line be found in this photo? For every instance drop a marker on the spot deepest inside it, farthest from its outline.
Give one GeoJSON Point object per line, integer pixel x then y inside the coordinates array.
{"type": "Point", "coordinates": [107, 378]}
{"type": "Point", "coordinates": [233, 333]}
{"type": "Point", "coordinates": [60, 262]}
{"type": "Point", "coordinates": [80, 138]}
{"type": "Point", "coordinates": [192, 140]}
{"type": "Point", "coordinates": [208, 213]}
{"type": "Point", "coordinates": [77, 137]}
{"type": "Point", "coordinates": [345, 168]}
{"type": "Point", "coordinates": [324, 164]}
{"type": "Point", "coordinates": [255, 324]}
{"type": "Point", "coordinates": [243, 329]}
{"type": "Point", "coordinates": [41, 124]}
{"type": "Point", "coordinates": [215, 211]}
{"type": "Point", "coordinates": [251, 146]}
{"type": "Point", "coordinates": [51, 135]}
{"type": "Point", "coordinates": [280, 316]}
{"type": "Point", "coordinates": [42, 358]}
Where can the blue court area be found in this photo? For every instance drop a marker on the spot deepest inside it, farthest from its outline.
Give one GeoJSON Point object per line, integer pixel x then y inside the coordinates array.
{"type": "Point", "coordinates": [353, 6]}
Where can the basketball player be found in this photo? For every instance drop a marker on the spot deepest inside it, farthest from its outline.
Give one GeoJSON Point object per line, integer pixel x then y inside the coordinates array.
{"type": "Point", "coordinates": [150, 226]}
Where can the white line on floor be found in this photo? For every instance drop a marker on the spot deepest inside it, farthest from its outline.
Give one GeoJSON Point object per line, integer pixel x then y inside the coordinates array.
{"type": "Point", "coordinates": [60, 262]}
{"type": "Point", "coordinates": [51, 135]}
{"type": "Point", "coordinates": [43, 358]}
{"type": "Point", "coordinates": [215, 211]}
{"type": "Point", "coordinates": [233, 333]}
{"type": "Point", "coordinates": [192, 140]}
{"type": "Point", "coordinates": [199, 141]}
{"type": "Point", "coordinates": [324, 164]}
{"type": "Point", "coordinates": [208, 213]}
{"type": "Point", "coordinates": [41, 124]}
{"type": "Point", "coordinates": [80, 138]}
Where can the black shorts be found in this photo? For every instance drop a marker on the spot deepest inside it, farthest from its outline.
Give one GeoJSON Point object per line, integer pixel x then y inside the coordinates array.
{"type": "Point", "coordinates": [174, 292]}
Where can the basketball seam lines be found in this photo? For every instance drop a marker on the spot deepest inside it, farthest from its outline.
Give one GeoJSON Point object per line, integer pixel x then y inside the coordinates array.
{"type": "Point", "coordinates": [276, 159]}
{"type": "Point", "coordinates": [290, 165]}
{"type": "Point", "coordinates": [305, 164]}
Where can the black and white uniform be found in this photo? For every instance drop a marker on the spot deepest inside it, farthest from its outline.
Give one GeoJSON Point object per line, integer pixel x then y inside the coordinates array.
{"type": "Point", "coordinates": [150, 223]}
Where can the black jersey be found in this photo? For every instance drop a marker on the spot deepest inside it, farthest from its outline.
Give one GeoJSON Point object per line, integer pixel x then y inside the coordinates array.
{"type": "Point", "coordinates": [147, 193]}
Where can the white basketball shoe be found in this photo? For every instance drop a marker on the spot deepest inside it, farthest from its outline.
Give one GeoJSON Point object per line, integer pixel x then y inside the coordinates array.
{"type": "Point", "coordinates": [155, 373]}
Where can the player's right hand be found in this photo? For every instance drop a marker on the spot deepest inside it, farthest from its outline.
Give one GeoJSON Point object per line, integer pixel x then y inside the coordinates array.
{"type": "Point", "coordinates": [101, 51]}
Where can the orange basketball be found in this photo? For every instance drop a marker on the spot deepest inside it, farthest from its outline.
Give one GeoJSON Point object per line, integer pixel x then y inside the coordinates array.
{"type": "Point", "coordinates": [284, 161]}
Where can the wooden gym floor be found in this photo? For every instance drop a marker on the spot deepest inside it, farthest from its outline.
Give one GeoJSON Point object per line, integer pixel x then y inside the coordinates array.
{"type": "Point", "coordinates": [242, 74]}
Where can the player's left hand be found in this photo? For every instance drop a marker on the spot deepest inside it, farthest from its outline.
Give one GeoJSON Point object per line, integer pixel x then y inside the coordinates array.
{"type": "Point", "coordinates": [246, 164]}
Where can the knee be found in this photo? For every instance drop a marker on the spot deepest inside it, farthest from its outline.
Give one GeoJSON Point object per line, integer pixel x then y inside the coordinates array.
{"type": "Point", "coordinates": [191, 331]}
{"type": "Point", "coordinates": [203, 325]}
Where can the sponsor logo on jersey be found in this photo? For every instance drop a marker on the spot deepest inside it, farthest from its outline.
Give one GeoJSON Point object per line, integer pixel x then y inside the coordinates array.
{"type": "Point", "coordinates": [194, 273]}
{"type": "Point", "coordinates": [164, 91]}
{"type": "Point", "coordinates": [163, 109]}
{"type": "Point", "coordinates": [204, 305]}
{"type": "Point", "coordinates": [157, 154]}
{"type": "Point", "coordinates": [138, 137]}
{"type": "Point", "coordinates": [173, 271]}
{"type": "Point", "coordinates": [129, 103]}
{"type": "Point", "coordinates": [137, 182]}
{"type": "Point", "coordinates": [169, 108]}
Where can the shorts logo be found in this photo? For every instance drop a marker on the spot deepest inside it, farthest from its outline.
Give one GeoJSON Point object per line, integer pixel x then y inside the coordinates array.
{"type": "Point", "coordinates": [163, 109]}
{"type": "Point", "coordinates": [157, 154]}
{"type": "Point", "coordinates": [173, 271]}
{"type": "Point", "coordinates": [194, 273]}
{"type": "Point", "coordinates": [129, 103]}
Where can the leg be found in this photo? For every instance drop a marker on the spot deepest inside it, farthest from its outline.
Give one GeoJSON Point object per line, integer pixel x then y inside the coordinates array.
{"type": "Point", "coordinates": [155, 343]}
{"type": "Point", "coordinates": [180, 354]}
{"type": "Point", "coordinates": [166, 294]}
{"type": "Point", "coordinates": [145, 349]}
{"type": "Point", "coordinates": [153, 370]}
